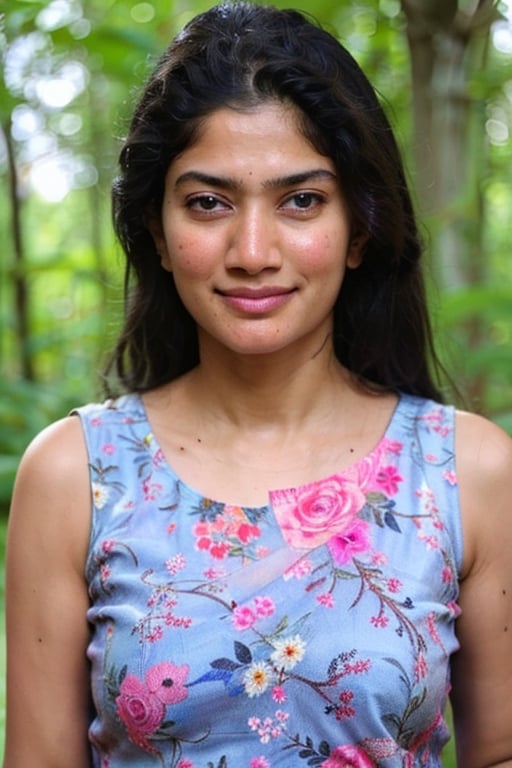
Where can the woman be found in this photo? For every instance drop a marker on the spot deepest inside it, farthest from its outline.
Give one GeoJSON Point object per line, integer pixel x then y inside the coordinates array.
{"type": "Point", "coordinates": [291, 550]}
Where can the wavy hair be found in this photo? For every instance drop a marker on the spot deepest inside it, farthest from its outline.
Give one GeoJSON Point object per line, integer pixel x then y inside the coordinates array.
{"type": "Point", "coordinates": [240, 55]}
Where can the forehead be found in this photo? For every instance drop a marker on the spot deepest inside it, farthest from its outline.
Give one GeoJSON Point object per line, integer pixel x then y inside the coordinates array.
{"type": "Point", "coordinates": [259, 139]}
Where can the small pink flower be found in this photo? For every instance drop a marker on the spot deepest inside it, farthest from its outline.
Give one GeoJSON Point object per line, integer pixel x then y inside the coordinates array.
{"type": "Point", "coordinates": [430, 541]}
{"type": "Point", "coordinates": [446, 574]}
{"type": "Point", "coordinates": [156, 634]}
{"type": "Point", "coordinates": [108, 448]}
{"type": "Point", "coordinates": [264, 606]}
{"type": "Point", "coordinates": [326, 599]}
{"type": "Point", "coordinates": [214, 573]}
{"type": "Point", "coordinates": [243, 617]}
{"type": "Point", "coordinates": [219, 524]}
{"type": "Point", "coordinates": [450, 477]}
{"type": "Point", "coordinates": [355, 539]}
{"type": "Point", "coordinates": [219, 550]}
{"type": "Point", "coordinates": [394, 585]}
{"type": "Point", "coordinates": [420, 667]}
{"type": "Point", "coordinates": [201, 529]}
{"type": "Point", "coordinates": [176, 564]}
{"type": "Point", "coordinates": [108, 545]}
{"type": "Point", "coordinates": [298, 570]}
{"type": "Point", "coordinates": [105, 572]}
{"type": "Point", "coordinates": [245, 532]}
{"type": "Point", "coordinates": [185, 764]}
{"type": "Point", "coordinates": [312, 514]}
{"type": "Point", "coordinates": [278, 694]}
{"type": "Point", "coordinates": [348, 756]}
{"type": "Point", "coordinates": [379, 621]}
{"type": "Point", "coordinates": [259, 762]}
{"type": "Point", "coordinates": [204, 543]}
{"type": "Point", "coordinates": [361, 666]}
{"type": "Point", "coordinates": [346, 697]}
{"type": "Point", "coordinates": [388, 479]}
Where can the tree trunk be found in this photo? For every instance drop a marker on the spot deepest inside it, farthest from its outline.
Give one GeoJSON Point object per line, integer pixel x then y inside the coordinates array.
{"type": "Point", "coordinates": [448, 41]}
{"type": "Point", "coordinates": [21, 298]}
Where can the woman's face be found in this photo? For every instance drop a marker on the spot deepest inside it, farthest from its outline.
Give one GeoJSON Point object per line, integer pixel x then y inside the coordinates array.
{"type": "Point", "coordinates": [256, 233]}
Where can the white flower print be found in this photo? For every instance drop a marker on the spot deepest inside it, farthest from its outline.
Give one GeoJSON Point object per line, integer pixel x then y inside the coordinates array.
{"type": "Point", "coordinates": [288, 652]}
{"type": "Point", "coordinates": [258, 678]}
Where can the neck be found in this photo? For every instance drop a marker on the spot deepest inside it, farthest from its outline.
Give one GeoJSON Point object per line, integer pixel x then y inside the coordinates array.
{"type": "Point", "coordinates": [269, 392]}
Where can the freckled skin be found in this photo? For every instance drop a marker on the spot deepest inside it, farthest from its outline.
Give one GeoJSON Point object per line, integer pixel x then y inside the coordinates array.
{"type": "Point", "coordinates": [250, 231]}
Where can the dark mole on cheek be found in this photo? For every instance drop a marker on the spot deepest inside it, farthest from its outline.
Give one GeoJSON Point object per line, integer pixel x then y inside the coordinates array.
{"type": "Point", "coordinates": [182, 448]}
{"type": "Point", "coordinates": [199, 440]}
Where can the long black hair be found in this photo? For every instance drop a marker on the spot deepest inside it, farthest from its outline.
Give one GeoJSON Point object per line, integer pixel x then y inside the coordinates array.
{"type": "Point", "coordinates": [240, 55]}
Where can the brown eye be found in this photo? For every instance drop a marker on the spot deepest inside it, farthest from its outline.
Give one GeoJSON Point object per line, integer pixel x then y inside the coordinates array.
{"type": "Point", "coordinates": [304, 200]}
{"type": "Point", "coordinates": [203, 202]}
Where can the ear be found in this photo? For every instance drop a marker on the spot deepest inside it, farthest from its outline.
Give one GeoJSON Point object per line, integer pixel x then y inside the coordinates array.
{"type": "Point", "coordinates": [356, 248]}
{"type": "Point", "coordinates": [156, 231]}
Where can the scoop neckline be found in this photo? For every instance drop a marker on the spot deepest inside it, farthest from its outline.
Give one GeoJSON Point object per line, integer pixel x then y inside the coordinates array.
{"type": "Point", "coordinates": [155, 448]}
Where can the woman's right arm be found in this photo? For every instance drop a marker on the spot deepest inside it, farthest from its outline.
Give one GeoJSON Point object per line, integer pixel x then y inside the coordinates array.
{"type": "Point", "coordinates": [48, 691]}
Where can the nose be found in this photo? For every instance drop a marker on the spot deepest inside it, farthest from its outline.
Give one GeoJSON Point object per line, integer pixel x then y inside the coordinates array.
{"type": "Point", "coordinates": [253, 245]}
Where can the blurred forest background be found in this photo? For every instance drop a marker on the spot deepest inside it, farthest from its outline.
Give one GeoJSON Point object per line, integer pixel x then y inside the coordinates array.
{"type": "Point", "coordinates": [70, 73]}
{"type": "Point", "coordinates": [71, 70]}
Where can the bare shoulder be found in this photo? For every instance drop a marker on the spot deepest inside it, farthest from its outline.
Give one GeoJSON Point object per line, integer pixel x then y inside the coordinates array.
{"type": "Point", "coordinates": [482, 669]}
{"type": "Point", "coordinates": [52, 490]}
{"type": "Point", "coordinates": [481, 443]}
{"type": "Point", "coordinates": [58, 445]}
{"type": "Point", "coordinates": [47, 601]}
{"type": "Point", "coordinates": [484, 469]}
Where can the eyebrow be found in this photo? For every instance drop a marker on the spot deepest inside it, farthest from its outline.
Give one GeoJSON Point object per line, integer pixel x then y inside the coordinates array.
{"type": "Point", "coordinates": [226, 182]}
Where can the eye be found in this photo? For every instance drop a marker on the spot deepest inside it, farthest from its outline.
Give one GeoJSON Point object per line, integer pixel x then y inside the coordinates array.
{"type": "Point", "coordinates": [303, 201]}
{"type": "Point", "coordinates": [205, 203]}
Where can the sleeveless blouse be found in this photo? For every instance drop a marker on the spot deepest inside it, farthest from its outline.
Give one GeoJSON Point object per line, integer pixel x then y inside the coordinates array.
{"type": "Point", "coordinates": [314, 631]}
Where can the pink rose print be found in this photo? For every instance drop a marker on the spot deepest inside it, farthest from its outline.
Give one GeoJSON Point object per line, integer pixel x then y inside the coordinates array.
{"type": "Point", "coordinates": [312, 514]}
{"type": "Point", "coordinates": [141, 711]}
{"type": "Point", "coordinates": [348, 757]}
{"type": "Point", "coordinates": [141, 705]}
{"type": "Point", "coordinates": [355, 539]}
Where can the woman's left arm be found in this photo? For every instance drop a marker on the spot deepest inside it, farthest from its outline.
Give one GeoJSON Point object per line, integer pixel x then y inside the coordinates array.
{"type": "Point", "coordinates": [482, 668]}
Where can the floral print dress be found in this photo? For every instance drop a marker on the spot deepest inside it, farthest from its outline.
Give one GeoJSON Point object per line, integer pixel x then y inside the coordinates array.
{"type": "Point", "coordinates": [314, 631]}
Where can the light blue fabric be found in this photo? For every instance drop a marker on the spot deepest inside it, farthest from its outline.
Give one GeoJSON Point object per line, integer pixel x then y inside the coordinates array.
{"type": "Point", "coordinates": [315, 631]}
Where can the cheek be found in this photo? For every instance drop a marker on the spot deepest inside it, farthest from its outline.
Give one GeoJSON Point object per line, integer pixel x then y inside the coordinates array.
{"type": "Point", "coordinates": [322, 255]}
{"type": "Point", "coordinates": [191, 257]}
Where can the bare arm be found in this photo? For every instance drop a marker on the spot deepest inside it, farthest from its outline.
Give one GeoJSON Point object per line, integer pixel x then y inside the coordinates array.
{"type": "Point", "coordinates": [482, 670]}
{"type": "Point", "coordinates": [46, 597]}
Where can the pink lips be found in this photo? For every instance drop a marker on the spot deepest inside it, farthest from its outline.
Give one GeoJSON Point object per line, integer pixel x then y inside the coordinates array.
{"type": "Point", "coordinates": [257, 300]}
